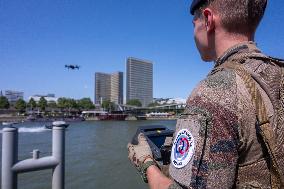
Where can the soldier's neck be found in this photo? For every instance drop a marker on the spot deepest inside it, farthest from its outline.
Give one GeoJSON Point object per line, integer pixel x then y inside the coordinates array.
{"type": "Point", "coordinates": [225, 41]}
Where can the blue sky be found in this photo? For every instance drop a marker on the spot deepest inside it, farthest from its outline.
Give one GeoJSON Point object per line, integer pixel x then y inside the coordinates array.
{"type": "Point", "coordinates": [37, 38]}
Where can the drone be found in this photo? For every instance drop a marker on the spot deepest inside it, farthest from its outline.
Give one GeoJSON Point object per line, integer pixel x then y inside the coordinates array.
{"type": "Point", "coordinates": [73, 67]}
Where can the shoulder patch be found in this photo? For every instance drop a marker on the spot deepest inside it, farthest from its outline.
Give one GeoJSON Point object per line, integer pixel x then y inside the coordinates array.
{"type": "Point", "coordinates": [183, 148]}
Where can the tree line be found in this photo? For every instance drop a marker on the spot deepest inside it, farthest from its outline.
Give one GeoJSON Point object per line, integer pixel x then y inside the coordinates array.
{"type": "Point", "coordinates": [62, 103]}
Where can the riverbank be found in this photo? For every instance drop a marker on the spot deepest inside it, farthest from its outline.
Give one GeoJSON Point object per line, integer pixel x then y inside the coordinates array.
{"type": "Point", "coordinates": [133, 118]}
{"type": "Point", "coordinates": [12, 118]}
{"type": "Point", "coordinates": [16, 118]}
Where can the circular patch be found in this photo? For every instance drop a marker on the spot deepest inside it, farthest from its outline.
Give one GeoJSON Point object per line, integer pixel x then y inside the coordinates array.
{"type": "Point", "coordinates": [183, 148]}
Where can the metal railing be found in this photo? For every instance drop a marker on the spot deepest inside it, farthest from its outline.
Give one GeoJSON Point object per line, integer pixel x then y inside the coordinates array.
{"type": "Point", "coordinates": [11, 167]}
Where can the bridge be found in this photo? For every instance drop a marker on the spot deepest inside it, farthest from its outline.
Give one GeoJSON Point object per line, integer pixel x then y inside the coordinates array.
{"type": "Point", "coordinates": [178, 108]}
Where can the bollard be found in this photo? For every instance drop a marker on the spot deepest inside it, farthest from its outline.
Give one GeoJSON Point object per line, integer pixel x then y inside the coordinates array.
{"type": "Point", "coordinates": [58, 152]}
{"type": "Point", "coordinates": [9, 157]}
{"type": "Point", "coordinates": [36, 154]}
{"type": "Point", "coordinates": [11, 166]}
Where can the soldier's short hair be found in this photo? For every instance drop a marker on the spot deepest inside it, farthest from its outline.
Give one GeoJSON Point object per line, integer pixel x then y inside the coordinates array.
{"type": "Point", "coordinates": [237, 16]}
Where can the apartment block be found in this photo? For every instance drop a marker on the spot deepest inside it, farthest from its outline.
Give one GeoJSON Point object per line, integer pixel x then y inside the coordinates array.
{"type": "Point", "coordinates": [109, 87]}
{"type": "Point", "coordinates": [139, 80]}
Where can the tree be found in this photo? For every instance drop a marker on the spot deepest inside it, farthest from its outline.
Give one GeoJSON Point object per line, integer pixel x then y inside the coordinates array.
{"type": "Point", "coordinates": [71, 103]}
{"type": "Point", "coordinates": [67, 104]}
{"type": "Point", "coordinates": [62, 103]}
{"type": "Point", "coordinates": [4, 103]}
{"type": "Point", "coordinates": [20, 105]}
{"type": "Point", "coordinates": [32, 103]}
{"type": "Point", "coordinates": [108, 105]}
{"type": "Point", "coordinates": [52, 104]}
{"type": "Point", "coordinates": [86, 104]}
{"type": "Point", "coordinates": [134, 102]}
{"type": "Point", "coordinates": [42, 103]}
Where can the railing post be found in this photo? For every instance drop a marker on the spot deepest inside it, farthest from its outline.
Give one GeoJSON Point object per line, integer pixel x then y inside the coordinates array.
{"type": "Point", "coordinates": [11, 167]}
{"type": "Point", "coordinates": [9, 157]}
{"type": "Point", "coordinates": [58, 152]}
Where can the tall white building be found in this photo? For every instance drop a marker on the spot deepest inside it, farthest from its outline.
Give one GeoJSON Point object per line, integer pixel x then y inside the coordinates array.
{"type": "Point", "coordinates": [116, 87]}
{"type": "Point", "coordinates": [102, 87]}
{"type": "Point", "coordinates": [139, 80]}
{"type": "Point", "coordinates": [109, 87]}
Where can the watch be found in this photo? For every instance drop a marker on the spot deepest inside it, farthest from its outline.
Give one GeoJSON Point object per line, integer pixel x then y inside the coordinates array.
{"type": "Point", "coordinates": [144, 168]}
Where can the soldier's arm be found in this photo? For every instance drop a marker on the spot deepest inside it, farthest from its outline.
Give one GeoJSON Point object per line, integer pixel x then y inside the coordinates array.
{"type": "Point", "coordinates": [212, 121]}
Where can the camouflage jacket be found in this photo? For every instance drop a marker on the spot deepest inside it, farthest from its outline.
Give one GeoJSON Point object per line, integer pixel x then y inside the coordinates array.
{"type": "Point", "coordinates": [215, 144]}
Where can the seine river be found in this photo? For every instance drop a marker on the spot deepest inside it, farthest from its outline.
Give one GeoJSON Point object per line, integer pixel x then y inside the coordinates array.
{"type": "Point", "coordinates": [95, 156]}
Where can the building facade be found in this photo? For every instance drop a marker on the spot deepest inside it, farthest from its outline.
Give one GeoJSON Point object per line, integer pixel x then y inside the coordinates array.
{"type": "Point", "coordinates": [139, 80]}
{"type": "Point", "coordinates": [49, 98]}
{"type": "Point", "coordinates": [109, 87]}
{"type": "Point", "coordinates": [13, 96]}
{"type": "Point", "coordinates": [102, 87]}
{"type": "Point", "coordinates": [116, 87]}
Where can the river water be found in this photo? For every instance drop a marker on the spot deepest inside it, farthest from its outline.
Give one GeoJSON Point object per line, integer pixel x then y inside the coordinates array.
{"type": "Point", "coordinates": [95, 154]}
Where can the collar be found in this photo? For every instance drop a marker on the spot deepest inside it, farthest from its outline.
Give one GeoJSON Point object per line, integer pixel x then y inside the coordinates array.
{"type": "Point", "coordinates": [244, 47]}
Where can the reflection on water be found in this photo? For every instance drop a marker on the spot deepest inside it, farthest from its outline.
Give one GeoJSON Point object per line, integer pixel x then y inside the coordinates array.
{"type": "Point", "coordinates": [96, 154]}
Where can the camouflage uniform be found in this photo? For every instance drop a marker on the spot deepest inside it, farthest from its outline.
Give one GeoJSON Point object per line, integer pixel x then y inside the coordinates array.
{"type": "Point", "coordinates": [221, 117]}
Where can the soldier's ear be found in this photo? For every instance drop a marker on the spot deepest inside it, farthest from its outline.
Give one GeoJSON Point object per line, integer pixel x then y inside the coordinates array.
{"type": "Point", "coordinates": [209, 19]}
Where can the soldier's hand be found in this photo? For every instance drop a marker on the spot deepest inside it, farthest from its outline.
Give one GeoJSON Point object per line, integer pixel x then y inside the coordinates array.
{"type": "Point", "coordinates": [140, 153]}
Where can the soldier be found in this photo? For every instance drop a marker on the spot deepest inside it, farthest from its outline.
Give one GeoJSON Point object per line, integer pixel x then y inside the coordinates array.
{"type": "Point", "coordinates": [217, 142]}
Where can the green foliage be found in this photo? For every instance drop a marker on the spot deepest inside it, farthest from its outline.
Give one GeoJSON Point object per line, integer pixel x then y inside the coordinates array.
{"type": "Point", "coordinates": [4, 103]}
{"type": "Point", "coordinates": [32, 103]}
{"type": "Point", "coordinates": [108, 105]}
{"type": "Point", "coordinates": [71, 103]}
{"type": "Point", "coordinates": [66, 103]}
{"type": "Point", "coordinates": [62, 103]}
{"type": "Point", "coordinates": [153, 104]}
{"type": "Point", "coordinates": [86, 104]}
{"type": "Point", "coordinates": [20, 105]}
{"type": "Point", "coordinates": [42, 103]}
{"type": "Point", "coordinates": [134, 102]}
{"type": "Point", "coordinates": [52, 104]}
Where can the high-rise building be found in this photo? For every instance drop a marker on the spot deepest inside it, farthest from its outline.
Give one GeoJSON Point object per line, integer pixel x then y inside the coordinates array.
{"type": "Point", "coordinates": [14, 96]}
{"type": "Point", "coordinates": [109, 87]}
{"type": "Point", "coordinates": [116, 87]}
{"type": "Point", "coordinates": [139, 80]}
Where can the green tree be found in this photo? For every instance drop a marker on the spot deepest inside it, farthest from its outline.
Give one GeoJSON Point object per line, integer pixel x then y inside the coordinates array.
{"type": "Point", "coordinates": [52, 104]}
{"type": "Point", "coordinates": [71, 103]}
{"type": "Point", "coordinates": [108, 105]}
{"type": "Point", "coordinates": [86, 104]}
{"type": "Point", "coordinates": [4, 103]}
{"type": "Point", "coordinates": [20, 105]}
{"type": "Point", "coordinates": [62, 103]}
{"type": "Point", "coordinates": [134, 102]}
{"type": "Point", "coordinates": [42, 103]}
{"type": "Point", "coordinates": [67, 104]}
{"type": "Point", "coordinates": [32, 103]}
